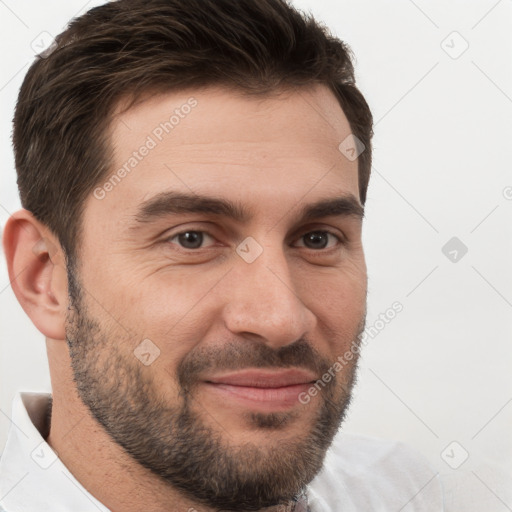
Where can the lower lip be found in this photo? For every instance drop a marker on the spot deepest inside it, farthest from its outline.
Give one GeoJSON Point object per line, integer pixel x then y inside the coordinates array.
{"type": "Point", "coordinates": [261, 398]}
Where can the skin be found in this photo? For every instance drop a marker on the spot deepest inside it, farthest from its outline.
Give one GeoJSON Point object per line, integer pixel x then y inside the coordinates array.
{"type": "Point", "coordinates": [271, 155]}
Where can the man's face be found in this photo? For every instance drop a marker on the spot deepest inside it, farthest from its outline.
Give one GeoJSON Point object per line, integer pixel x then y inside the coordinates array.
{"type": "Point", "coordinates": [220, 276]}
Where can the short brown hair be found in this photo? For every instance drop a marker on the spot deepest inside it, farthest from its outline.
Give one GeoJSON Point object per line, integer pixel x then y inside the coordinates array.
{"type": "Point", "coordinates": [129, 47]}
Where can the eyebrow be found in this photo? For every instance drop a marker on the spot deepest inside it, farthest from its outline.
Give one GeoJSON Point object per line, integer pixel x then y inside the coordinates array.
{"type": "Point", "coordinates": [175, 203]}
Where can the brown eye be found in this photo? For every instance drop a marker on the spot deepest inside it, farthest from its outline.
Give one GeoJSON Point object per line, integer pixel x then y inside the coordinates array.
{"type": "Point", "coordinates": [319, 240]}
{"type": "Point", "coordinates": [190, 239]}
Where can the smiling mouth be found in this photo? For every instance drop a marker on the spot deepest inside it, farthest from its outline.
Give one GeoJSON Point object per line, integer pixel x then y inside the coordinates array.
{"type": "Point", "coordinates": [262, 389]}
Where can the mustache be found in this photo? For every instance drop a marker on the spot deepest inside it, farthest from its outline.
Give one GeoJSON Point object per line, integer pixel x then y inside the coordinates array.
{"type": "Point", "coordinates": [249, 354]}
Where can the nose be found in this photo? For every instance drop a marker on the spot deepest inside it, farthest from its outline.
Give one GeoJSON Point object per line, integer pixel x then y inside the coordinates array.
{"type": "Point", "coordinates": [264, 301]}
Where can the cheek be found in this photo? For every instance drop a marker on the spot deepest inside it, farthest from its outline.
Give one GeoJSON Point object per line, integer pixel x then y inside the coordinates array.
{"type": "Point", "coordinates": [173, 297]}
{"type": "Point", "coordinates": [174, 315]}
{"type": "Point", "coordinates": [339, 304]}
{"type": "Point", "coordinates": [337, 292]}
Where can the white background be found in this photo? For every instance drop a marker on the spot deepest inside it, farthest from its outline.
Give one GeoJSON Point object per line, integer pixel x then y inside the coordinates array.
{"type": "Point", "coordinates": [441, 370]}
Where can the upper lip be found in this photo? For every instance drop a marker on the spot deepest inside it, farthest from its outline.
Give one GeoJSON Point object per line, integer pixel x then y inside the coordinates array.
{"type": "Point", "coordinates": [259, 378]}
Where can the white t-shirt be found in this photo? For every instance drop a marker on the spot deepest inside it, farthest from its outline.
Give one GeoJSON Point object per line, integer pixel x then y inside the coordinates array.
{"type": "Point", "coordinates": [359, 473]}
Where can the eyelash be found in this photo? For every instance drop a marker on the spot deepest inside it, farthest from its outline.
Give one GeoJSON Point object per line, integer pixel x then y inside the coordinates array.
{"type": "Point", "coordinates": [339, 239]}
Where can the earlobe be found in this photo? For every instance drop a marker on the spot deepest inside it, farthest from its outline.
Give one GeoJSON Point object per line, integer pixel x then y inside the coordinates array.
{"type": "Point", "coordinates": [37, 272]}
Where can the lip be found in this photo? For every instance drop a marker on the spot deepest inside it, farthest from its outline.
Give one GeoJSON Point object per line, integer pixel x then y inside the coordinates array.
{"type": "Point", "coordinates": [262, 390]}
{"type": "Point", "coordinates": [256, 378]}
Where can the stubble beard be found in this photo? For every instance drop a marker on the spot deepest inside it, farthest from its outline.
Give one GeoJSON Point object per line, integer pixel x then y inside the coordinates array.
{"type": "Point", "coordinates": [176, 444]}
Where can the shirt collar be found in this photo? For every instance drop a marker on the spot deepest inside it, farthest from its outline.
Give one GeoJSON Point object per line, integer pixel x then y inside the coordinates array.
{"type": "Point", "coordinates": [32, 477]}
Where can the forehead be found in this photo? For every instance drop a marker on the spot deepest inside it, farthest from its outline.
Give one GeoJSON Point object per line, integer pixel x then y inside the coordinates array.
{"type": "Point", "coordinates": [216, 141]}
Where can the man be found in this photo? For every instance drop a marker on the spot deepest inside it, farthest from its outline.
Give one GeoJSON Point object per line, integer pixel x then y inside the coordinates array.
{"type": "Point", "coordinates": [193, 176]}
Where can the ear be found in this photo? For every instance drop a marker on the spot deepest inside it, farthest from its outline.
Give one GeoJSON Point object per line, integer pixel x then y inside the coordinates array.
{"type": "Point", "coordinates": [37, 272]}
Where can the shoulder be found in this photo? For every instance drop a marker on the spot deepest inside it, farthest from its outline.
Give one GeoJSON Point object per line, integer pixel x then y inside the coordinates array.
{"type": "Point", "coordinates": [362, 473]}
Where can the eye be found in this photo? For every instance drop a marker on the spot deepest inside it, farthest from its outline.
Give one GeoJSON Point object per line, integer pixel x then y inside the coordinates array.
{"type": "Point", "coordinates": [190, 239]}
{"type": "Point", "coordinates": [319, 240]}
